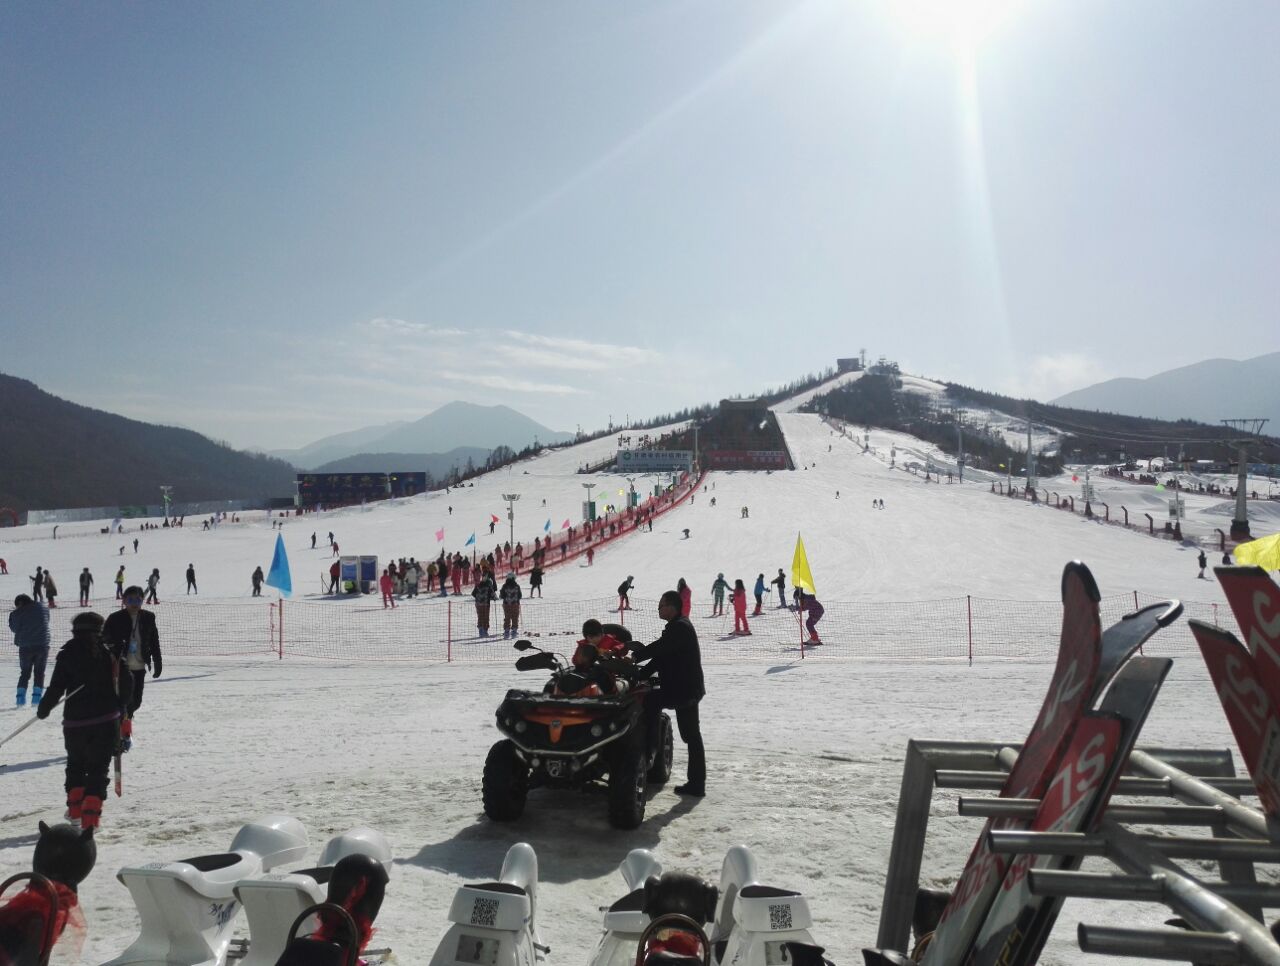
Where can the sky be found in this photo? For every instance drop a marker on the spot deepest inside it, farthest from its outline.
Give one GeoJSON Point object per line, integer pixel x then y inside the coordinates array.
{"type": "Point", "coordinates": [274, 222]}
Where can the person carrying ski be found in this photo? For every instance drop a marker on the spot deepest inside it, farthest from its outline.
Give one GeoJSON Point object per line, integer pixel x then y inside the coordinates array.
{"type": "Point", "coordinates": [624, 593]}
{"type": "Point", "coordinates": [510, 594]}
{"type": "Point", "coordinates": [29, 622]}
{"type": "Point", "coordinates": [759, 592]}
{"type": "Point", "coordinates": [1202, 560]}
{"type": "Point", "coordinates": [86, 581]}
{"type": "Point", "coordinates": [739, 597]}
{"type": "Point", "coordinates": [131, 634]}
{"type": "Point", "coordinates": [91, 717]}
{"type": "Point", "coordinates": [686, 597]}
{"type": "Point", "coordinates": [676, 657]}
{"type": "Point", "coordinates": [386, 585]}
{"type": "Point", "coordinates": [256, 578]}
{"type": "Point", "coordinates": [717, 595]}
{"type": "Point", "coordinates": [781, 581]}
{"type": "Point", "coordinates": [483, 592]}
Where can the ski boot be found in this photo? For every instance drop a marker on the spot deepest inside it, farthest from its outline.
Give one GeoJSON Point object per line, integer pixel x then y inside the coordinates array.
{"type": "Point", "coordinates": [126, 735]}
{"type": "Point", "coordinates": [36, 694]}
{"type": "Point", "coordinates": [22, 697]}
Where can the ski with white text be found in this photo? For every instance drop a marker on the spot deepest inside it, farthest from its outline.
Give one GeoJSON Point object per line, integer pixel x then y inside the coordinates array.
{"type": "Point", "coordinates": [1255, 600]}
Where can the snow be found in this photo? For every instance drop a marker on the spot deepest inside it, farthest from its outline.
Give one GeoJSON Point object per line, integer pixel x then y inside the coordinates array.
{"type": "Point", "coordinates": [805, 755]}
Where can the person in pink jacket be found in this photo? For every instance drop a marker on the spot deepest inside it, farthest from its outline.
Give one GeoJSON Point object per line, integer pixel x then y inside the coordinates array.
{"type": "Point", "coordinates": [740, 608]}
{"type": "Point", "coordinates": [386, 585]}
{"type": "Point", "coordinates": [686, 597]}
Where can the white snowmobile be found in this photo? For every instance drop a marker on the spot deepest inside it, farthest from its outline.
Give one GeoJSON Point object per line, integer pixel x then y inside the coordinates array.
{"type": "Point", "coordinates": [495, 923]}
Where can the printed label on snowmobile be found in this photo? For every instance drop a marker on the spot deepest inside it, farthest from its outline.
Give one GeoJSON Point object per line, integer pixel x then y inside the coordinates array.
{"type": "Point", "coordinates": [1249, 710]}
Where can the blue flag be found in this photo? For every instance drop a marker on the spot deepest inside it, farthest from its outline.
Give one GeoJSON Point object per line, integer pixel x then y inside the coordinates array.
{"type": "Point", "coordinates": [470, 540]}
{"type": "Point", "coordinates": [546, 527]}
{"type": "Point", "coordinates": [279, 577]}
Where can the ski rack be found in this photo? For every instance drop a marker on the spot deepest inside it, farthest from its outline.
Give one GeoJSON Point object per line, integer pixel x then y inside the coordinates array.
{"type": "Point", "coordinates": [1225, 916]}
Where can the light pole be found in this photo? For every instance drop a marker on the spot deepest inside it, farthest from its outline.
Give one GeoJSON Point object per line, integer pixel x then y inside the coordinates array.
{"type": "Point", "coordinates": [588, 487]}
{"type": "Point", "coordinates": [631, 482]}
{"type": "Point", "coordinates": [511, 515]}
{"type": "Point", "coordinates": [166, 493]}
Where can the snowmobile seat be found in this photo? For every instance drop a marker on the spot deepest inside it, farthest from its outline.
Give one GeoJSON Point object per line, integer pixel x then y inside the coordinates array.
{"type": "Point", "coordinates": [315, 951]}
{"type": "Point", "coordinates": [507, 887]}
{"type": "Point", "coordinates": [273, 901]}
{"type": "Point", "coordinates": [188, 908]}
{"type": "Point", "coordinates": [495, 922]}
{"type": "Point", "coordinates": [665, 958]}
{"type": "Point", "coordinates": [627, 914]}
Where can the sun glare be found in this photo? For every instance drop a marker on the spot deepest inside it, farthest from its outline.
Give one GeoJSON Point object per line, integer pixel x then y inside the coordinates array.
{"type": "Point", "coordinates": [965, 23]}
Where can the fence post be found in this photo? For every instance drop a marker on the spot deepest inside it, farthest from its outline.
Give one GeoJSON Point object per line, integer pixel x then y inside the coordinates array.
{"type": "Point", "coordinates": [969, 604]}
{"type": "Point", "coordinates": [1135, 607]}
{"type": "Point", "coordinates": [281, 628]}
{"type": "Point", "coordinates": [448, 632]}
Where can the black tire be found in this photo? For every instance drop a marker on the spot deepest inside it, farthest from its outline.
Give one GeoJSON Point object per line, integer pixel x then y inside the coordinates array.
{"type": "Point", "coordinates": [627, 786]}
{"type": "Point", "coordinates": [506, 783]}
{"type": "Point", "coordinates": [660, 770]}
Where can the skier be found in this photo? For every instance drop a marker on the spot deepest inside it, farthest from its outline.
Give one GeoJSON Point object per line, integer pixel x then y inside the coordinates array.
{"type": "Point", "coordinates": [759, 592]}
{"type": "Point", "coordinates": [510, 594]}
{"type": "Point", "coordinates": [135, 544]}
{"type": "Point", "coordinates": [483, 592]}
{"type": "Point", "coordinates": [191, 579]}
{"type": "Point", "coordinates": [535, 581]}
{"type": "Point", "coordinates": [1226, 559]}
{"type": "Point", "coordinates": [86, 581]}
{"type": "Point", "coordinates": [810, 603]}
{"type": "Point", "coordinates": [442, 569]}
{"type": "Point", "coordinates": [131, 635]}
{"type": "Point", "coordinates": [717, 595]}
{"type": "Point", "coordinates": [29, 621]}
{"type": "Point", "coordinates": [386, 585]}
{"type": "Point", "coordinates": [50, 589]}
{"type": "Point", "coordinates": [91, 718]}
{"type": "Point", "coordinates": [153, 582]}
{"type": "Point", "coordinates": [686, 597]}
{"type": "Point", "coordinates": [781, 581]}
{"type": "Point", "coordinates": [313, 540]}
{"type": "Point", "coordinates": [678, 661]}
{"type": "Point", "coordinates": [1202, 560]}
{"type": "Point", "coordinates": [256, 578]}
{"type": "Point", "coordinates": [739, 597]}
{"type": "Point", "coordinates": [4, 568]}
{"type": "Point", "coordinates": [120, 583]}
{"type": "Point", "coordinates": [591, 555]}
{"type": "Point", "coordinates": [37, 584]}
{"type": "Point", "coordinates": [624, 593]}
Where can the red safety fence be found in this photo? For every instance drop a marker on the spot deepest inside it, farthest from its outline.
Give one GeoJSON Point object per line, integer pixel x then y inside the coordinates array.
{"type": "Point", "coordinates": [432, 629]}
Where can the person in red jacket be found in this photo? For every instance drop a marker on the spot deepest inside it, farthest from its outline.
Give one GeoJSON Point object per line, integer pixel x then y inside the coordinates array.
{"type": "Point", "coordinates": [386, 585]}
{"type": "Point", "coordinates": [686, 597]}
{"type": "Point", "coordinates": [740, 608]}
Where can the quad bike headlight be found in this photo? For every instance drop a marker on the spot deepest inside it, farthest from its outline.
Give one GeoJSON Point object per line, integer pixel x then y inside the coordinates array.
{"type": "Point", "coordinates": [596, 731]}
{"type": "Point", "coordinates": [522, 726]}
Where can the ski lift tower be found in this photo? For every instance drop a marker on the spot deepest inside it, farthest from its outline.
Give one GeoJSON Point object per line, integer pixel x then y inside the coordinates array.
{"type": "Point", "coordinates": [1252, 429]}
{"type": "Point", "coordinates": [166, 494]}
{"type": "Point", "coordinates": [511, 515]}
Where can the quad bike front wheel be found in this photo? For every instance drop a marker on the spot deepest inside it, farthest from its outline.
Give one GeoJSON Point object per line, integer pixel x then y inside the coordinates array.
{"type": "Point", "coordinates": [505, 784]}
{"type": "Point", "coordinates": [660, 769]}
{"type": "Point", "coordinates": [626, 785]}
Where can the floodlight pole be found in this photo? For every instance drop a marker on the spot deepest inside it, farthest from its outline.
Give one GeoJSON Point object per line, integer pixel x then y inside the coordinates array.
{"type": "Point", "coordinates": [1252, 428]}
{"type": "Point", "coordinates": [166, 493]}
{"type": "Point", "coordinates": [511, 515]}
{"type": "Point", "coordinates": [588, 487]}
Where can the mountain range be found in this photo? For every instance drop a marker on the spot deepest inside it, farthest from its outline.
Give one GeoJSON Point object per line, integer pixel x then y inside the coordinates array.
{"type": "Point", "coordinates": [1207, 392]}
{"type": "Point", "coordinates": [452, 426]}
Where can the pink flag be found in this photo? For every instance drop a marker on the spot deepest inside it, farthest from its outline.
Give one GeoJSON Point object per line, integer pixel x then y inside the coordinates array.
{"type": "Point", "coordinates": [565, 525]}
{"type": "Point", "coordinates": [440, 536]}
{"type": "Point", "coordinates": [494, 518]}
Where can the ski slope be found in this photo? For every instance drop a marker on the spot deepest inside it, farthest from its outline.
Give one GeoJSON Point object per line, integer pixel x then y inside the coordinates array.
{"type": "Point", "coordinates": [804, 756]}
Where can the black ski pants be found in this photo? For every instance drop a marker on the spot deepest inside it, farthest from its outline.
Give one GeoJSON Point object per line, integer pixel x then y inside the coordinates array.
{"type": "Point", "coordinates": [690, 729]}
{"type": "Point", "coordinates": [89, 752]}
{"type": "Point", "coordinates": [139, 679]}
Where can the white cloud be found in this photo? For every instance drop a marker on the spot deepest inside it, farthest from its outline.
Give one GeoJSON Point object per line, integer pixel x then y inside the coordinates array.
{"type": "Point", "coordinates": [508, 384]}
{"type": "Point", "coordinates": [554, 352]}
{"type": "Point", "coordinates": [1050, 376]}
{"type": "Point", "coordinates": [403, 326]}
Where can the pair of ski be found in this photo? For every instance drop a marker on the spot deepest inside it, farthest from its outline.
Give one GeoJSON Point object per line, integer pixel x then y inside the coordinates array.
{"type": "Point", "coordinates": [1071, 762]}
{"type": "Point", "coordinates": [1247, 679]}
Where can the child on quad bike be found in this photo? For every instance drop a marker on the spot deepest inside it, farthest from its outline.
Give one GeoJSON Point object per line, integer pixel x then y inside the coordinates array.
{"type": "Point", "coordinates": [601, 640]}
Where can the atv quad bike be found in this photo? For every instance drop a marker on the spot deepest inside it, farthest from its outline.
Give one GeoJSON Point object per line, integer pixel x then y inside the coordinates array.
{"type": "Point", "coordinates": [584, 728]}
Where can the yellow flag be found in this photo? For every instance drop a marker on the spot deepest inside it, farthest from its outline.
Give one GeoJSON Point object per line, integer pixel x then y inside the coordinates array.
{"type": "Point", "coordinates": [800, 574]}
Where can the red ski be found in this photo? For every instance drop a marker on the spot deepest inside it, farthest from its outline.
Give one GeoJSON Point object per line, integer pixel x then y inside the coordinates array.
{"type": "Point", "coordinates": [1255, 600]}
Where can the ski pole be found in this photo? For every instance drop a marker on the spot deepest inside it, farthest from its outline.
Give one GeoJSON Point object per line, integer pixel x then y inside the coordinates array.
{"type": "Point", "coordinates": [21, 728]}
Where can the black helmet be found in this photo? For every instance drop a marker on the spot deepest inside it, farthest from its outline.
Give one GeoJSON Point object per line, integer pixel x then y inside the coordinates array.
{"type": "Point", "coordinates": [88, 622]}
{"type": "Point", "coordinates": [358, 884]}
{"type": "Point", "coordinates": [65, 854]}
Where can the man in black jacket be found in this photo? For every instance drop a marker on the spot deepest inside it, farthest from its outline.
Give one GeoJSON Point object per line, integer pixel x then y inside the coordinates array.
{"type": "Point", "coordinates": [678, 661]}
{"type": "Point", "coordinates": [131, 633]}
{"type": "Point", "coordinates": [90, 715]}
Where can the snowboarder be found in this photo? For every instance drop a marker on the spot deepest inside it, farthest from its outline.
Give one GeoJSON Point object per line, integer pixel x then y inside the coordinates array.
{"type": "Point", "coordinates": [510, 594]}
{"type": "Point", "coordinates": [386, 585]}
{"type": "Point", "coordinates": [91, 717]}
{"type": "Point", "coordinates": [677, 658]}
{"type": "Point", "coordinates": [191, 579]}
{"type": "Point", "coordinates": [86, 581]}
{"type": "Point", "coordinates": [739, 598]}
{"type": "Point", "coordinates": [624, 593]}
{"type": "Point", "coordinates": [781, 581]}
{"type": "Point", "coordinates": [256, 578]}
{"type": "Point", "coordinates": [483, 592]}
{"type": "Point", "coordinates": [1202, 560]}
{"type": "Point", "coordinates": [153, 583]}
{"type": "Point", "coordinates": [717, 595]}
{"type": "Point", "coordinates": [759, 592]}
{"type": "Point", "coordinates": [686, 597]}
{"type": "Point", "coordinates": [120, 583]}
{"type": "Point", "coordinates": [131, 635]}
{"type": "Point", "coordinates": [29, 621]}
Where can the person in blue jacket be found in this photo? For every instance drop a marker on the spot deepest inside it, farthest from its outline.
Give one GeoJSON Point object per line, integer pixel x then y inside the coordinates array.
{"type": "Point", "coordinates": [29, 621]}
